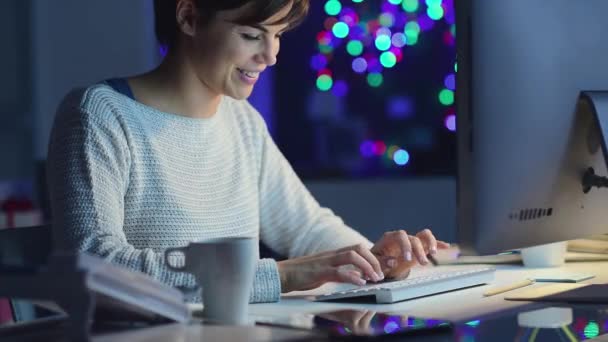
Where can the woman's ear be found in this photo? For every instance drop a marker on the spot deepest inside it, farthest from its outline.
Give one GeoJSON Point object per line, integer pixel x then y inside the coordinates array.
{"type": "Point", "coordinates": [186, 15]}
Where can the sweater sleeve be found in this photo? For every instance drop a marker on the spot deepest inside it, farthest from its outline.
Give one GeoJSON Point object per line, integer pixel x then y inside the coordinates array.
{"type": "Point", "coordinates": [292, 221]}
{"type": "Point", "coordinates": [88, 175]}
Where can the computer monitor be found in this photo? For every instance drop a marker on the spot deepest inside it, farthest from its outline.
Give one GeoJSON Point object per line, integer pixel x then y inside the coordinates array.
{"type": "Point", "coordinates": [523, 142]}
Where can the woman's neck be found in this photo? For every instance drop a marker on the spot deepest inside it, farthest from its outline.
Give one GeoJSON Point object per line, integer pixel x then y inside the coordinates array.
{"type": "Point", "coordinates": [174, 87]}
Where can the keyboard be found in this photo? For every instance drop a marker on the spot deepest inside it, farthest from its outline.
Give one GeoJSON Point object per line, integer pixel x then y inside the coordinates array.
{"type": "Point", "coordinates": [422, 282]}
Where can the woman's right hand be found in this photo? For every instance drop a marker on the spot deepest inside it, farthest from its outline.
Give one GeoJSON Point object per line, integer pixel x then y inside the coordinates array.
{"type": "Point", "coordinates": [311, 271]}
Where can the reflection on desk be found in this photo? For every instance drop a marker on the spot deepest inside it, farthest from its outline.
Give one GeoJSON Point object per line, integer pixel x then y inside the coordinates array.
{"type": "Point", "coordinates": [569, 324]}
{"type": "Point", "coordinates": [196, 333]}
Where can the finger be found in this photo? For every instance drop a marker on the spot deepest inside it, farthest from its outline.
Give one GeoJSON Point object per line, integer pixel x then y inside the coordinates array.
{"type": "Point", "coordinates": [403, 240]}
{"type": "Point", "coordinates": [364, 322]}
{"type": "Point", "coordinates": [428, 240]}
{"type": "Point", "coordinates": [351, 257]}
{"type": "Point", "coordinates": [371, 259]}
{"type": "Point", "coordinates": [418, 250]}
{"type": "Point", "coordinates": [346, 276]}
{"type": "Point", "coordinates": [367, 254]}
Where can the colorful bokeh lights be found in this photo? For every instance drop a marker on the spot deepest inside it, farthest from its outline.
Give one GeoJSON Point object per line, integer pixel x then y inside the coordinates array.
{"type": "Point", "coordinates": [375, 36]}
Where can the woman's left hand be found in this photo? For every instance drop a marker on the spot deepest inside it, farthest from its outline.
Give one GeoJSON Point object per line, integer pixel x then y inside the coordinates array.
{"type": "Point", "coordinates": [398, 251]}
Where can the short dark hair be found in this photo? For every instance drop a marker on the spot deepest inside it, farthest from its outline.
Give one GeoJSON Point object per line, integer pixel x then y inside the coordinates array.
{"type": "Point", "coordinates": [258, 12]}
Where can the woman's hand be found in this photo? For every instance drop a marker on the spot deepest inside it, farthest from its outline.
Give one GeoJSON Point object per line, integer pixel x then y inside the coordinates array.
{"type": "Point", "coordinates": [399, 252]}
{"type": "Point", "coordinates": [308, 272]}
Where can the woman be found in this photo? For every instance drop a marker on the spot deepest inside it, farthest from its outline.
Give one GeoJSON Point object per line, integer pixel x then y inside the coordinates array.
{"type": "Point", "coordinates": [177, 154]}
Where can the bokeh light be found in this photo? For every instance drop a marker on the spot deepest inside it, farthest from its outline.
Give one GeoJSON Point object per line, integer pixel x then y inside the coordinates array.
{"type": "Point", "coordinates": [450, 122]}
{"type": "Point", "coordinates": [359, 65]}
{"type": "Point", "coordinates": [591, 330]}
{"type": "Point", "coordinates": [386, 19]}
{"type": "Point", "coordinates": [333, 7]}
{"type": "Point", "coordinates": [318, 62]}
{"type": "Point", "coordinates": [375, 79]}
{"type": "Point", "coordinates": [410, 6]}
{"type": "Point", "coordinates": [340, 29]}
{"type": "Point", "coordinates": [388, 59]}
{"type": "Point", "coordinates": [379, 148]}
{"type": "Point", "coordinates": [450, 82]}
{"type": "Point", "coordinates": [446, 97]}
{"type": "Point", "coordinates": [340, 88]}
{"type": "Point", "coordinates": [401, 157]}
{"type": "Point", "coordinates": [399, 39]}
{"type": "Point", "coordinates": [324, 82]}
{"type": "Point", "coordinates": [354, 48]}
{"type": "Point", "coordinates": [383, 42]}
{"type": "Point", "coordinates": [367, 148]}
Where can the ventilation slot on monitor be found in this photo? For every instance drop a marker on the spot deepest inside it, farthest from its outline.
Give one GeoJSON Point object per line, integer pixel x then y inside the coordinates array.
{"type": "Point", "coordinates": [531, 214]}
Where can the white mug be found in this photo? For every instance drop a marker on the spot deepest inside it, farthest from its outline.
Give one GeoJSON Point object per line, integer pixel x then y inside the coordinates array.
{"type": "Point", "coordinates": [224, 268]}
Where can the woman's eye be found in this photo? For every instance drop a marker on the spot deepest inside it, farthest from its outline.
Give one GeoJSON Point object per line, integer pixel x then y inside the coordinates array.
{"type": "Point", "coordinates": [248, 36]}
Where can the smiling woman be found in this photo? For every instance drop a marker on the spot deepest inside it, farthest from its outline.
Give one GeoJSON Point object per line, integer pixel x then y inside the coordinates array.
{"type": "Point", "coordinates": [141, 164]}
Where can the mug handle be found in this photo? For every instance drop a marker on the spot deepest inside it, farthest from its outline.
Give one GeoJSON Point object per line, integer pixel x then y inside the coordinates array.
{"type": "Point", "coordinates": [171, 250]}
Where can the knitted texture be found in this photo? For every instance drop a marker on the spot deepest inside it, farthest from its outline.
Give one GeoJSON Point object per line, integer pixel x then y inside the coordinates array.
{"type": "Point", "coordinates": [128, 181]}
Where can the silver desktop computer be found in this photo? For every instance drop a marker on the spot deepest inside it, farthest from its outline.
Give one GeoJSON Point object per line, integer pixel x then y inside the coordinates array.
{"type": "Point", "coordinates": [532, 122]}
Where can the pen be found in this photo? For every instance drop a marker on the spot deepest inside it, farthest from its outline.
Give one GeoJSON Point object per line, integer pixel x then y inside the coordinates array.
{"type": "Point", "coordinates": [498, 290]}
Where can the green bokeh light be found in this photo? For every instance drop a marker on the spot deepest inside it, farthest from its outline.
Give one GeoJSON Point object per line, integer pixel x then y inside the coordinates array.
{"type": "Point", "coordinates": [411, 38]}
{"type": "Point", "coordinates": [324, 82]}
{"type": "Point", "coordinates": [412, 27]}
{"type": "Point", "coordinates": [388, 59]}
{"type": "Point", "coordinates": [410, 6]}
{"type": "Point", "coordinates": [383, 42]}
{"type": "Point", "coordinates": [340, 29]}
{"type": "Point", "coordinates": [446, 97]}
{"type": "Point", "coordinates": [325, 48]}
{"type": "Point", "coordinates": [386, 19]}
{"type": "Point", "coordinates": [395, 2]}
{"type": "Point", "coordinates": [591, 330]}
{"type": "Point", "coordinates": [333, 7]}
{"type": "Point", "coordinates": [435, 12]}
{"type": "Point", "coordinates": [357, 1]}
{"type": "Point", "coordinates": [375, 79]}
{"type": "Point", "coordinates": [433, 3]}
{"type": "Point", "coordinates": [354, 48]}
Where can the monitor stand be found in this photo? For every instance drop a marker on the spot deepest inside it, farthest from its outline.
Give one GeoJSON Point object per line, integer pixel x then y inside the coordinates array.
{"type": "Point", "coordinates": [549, 255]}
{"type": "Point", "coordinates": [594, 103]}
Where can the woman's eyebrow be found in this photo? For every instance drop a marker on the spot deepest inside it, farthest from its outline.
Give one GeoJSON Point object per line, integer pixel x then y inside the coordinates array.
{"type": "Point", "coordinates": [263, 27]}
{"type": "Point", "coordinates": [259, 27]}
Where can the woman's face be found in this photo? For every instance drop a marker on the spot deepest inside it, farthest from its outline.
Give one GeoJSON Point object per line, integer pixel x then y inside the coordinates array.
{"type": "Point", "coordinates": [229, 58]}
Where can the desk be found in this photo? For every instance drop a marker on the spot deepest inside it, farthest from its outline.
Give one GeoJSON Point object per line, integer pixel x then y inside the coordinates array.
{"type": "Point", "coordinates": [458, 306]}
{"type": "Point", "coordinates": [463, 306]}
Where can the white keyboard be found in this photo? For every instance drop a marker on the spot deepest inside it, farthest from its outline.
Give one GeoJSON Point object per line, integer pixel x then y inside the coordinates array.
{"type": "Point", "coordinates": [422, 282]}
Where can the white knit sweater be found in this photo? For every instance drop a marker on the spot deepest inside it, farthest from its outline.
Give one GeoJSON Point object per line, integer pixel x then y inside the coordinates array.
{"type": "Point", "coordinates": [128, 181]}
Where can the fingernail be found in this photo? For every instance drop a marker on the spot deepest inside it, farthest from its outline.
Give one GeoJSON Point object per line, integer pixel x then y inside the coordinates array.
{"type": "Point", "coordinates": [380, 275]}
{"type": "Point", "coordinates": [391, 263]}
{"type": "Point", "coordinates": [361, 281]}
{"type": "Point", "coordinates": [433, 250]}
{"type": "Point", "coordinates": [408, 256]}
